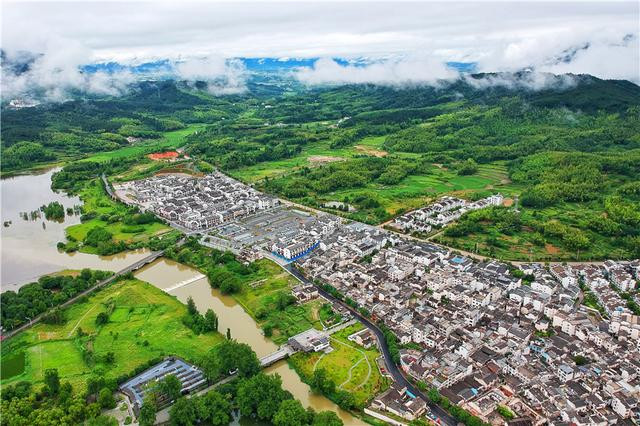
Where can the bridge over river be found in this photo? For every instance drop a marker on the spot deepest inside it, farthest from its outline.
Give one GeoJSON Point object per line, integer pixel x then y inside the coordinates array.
{"type": "Point", "coordinates": [283, 352]}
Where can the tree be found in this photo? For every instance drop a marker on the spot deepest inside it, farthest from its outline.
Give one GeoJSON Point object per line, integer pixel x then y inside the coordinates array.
{"type": "Point", "coordinates": [102, 421]}
{"type": "Point", "coordinates": [51, 381]}
{"type": "Point", "coordinates": [214, 408]}
{"type": "Point", "coordinates": [261, 395]}
{"type": "Point", "coordinates": [291, 413]}
{"type": "Point", "coordinates": [147, 416]}
{"type": "Point", "coordinates": [210, 321]}
{"type": "Point", "coordinates": [102, 319]}
{"type": "Point", "coordinates": [191, 306]}
{"type": "Point", "coordinates": [327, 418]}
{"type": "Point", "coordinates": [345, 400]}
{"type": "Point", "coordinates": [97, 235]}
{"type": "Point", "coordinates": [170, 386]}
{"type": "Point", "coordinates": [183, 412]}
{"type": "Point", "coordinates": [106, 399]}
{"type": "Point", "coordinates": [322, 383]}
{"type": "Point", "coordinates": [211, 366]}
{"type": "Point", "coordinates": [233, 355]}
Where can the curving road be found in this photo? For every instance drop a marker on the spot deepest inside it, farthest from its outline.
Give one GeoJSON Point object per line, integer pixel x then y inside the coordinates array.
{"type": "Point", "coordinates": [396, 373]}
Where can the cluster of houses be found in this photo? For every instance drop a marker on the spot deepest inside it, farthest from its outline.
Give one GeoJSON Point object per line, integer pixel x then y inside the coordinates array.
{"type": "Point", "coordinates": [488, 338]}
{"type": "Point", "coordinates": [441, 213]}
{"type": "Point", "coordinates": [489, 334]}
{"type": "Point", "coordinates": [195, 203]}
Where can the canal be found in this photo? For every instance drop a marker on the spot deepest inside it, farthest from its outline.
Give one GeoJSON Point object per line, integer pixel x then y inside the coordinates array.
{"type": "Point", "coordinates": [165, 273]}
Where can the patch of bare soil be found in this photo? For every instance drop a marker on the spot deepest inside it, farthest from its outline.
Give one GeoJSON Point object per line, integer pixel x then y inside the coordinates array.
{"type": "Point", "coordinates": [371, 151]}
{"type": "Point", "coordinates": [322, 159]}
{"type": "Point", "coordinates": [551, 249]}
{"type": "Point", "coordinates": [507, 202]}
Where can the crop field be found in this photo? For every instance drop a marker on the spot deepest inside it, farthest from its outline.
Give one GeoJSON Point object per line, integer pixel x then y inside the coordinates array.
{"type": "Point", "coordinates": [144, 323]}
{"type": "Point", "coordinates": [275, 168]}
{"type": "Point", "coordinates": [528, 244]}
{"type": "Point", "coordinates": [349, 366]}
{"type": "Point", "coordinates": [416, 191]}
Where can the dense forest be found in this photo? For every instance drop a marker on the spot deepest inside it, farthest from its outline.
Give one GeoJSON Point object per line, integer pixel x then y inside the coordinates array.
{"type": "Point", "coordinates": [566, 153]}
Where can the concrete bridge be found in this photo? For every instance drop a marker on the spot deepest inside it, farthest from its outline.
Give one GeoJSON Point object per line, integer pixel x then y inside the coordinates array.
{"type": "Point", "coordinates": [285, 351]}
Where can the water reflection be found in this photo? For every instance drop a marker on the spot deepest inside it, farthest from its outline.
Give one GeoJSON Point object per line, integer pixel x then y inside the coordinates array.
{"type": "Point", "coordinates": [28, 247]}
{"type": "Point", "coordinates": [165, 274]}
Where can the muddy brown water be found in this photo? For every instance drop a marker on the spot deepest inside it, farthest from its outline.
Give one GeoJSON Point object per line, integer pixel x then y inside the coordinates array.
{"type": "Point", "coordinates": [165, 274]}
{"type": "Point", "coordinates": [28, 247]}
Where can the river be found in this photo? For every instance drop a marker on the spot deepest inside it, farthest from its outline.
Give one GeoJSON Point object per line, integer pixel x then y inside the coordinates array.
{"type": "Point", "coordinates": [28, 247]}
{"type": "Point", "coordinates": [28, 250]}
{"type": "Point", "coordinates": [165, 273]}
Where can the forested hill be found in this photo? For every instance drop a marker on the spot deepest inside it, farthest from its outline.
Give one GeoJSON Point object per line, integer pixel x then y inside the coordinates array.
{"type": "Point", "coordinates": [75, 128]}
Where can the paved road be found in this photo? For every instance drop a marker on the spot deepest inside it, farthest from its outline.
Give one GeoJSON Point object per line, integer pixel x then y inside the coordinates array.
{"type": "Point", "coordinates": [393, 369]}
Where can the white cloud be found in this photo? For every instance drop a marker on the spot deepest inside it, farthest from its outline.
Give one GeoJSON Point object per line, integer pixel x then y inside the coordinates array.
{"type": "Point", "coordinates": [223, 75]}
{"type": "Point", "coordinates": [426, 70]}
{"type": "Point", "coordinates": [499, 36]}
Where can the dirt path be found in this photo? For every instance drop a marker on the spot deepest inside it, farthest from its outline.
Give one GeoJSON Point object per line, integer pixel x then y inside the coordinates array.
{"type": "Point", "coordinates": [364, 357]}
{"type": "Point", "coordinates": [318, 361]}
{"type": "Point", "coordinates": [81, 318]}
{"type": "Point", "coordinates": [350, 371]}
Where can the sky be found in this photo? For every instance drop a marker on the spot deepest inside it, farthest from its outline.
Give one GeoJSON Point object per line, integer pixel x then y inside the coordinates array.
{"type": "Point", "coordinates": [408, 42]}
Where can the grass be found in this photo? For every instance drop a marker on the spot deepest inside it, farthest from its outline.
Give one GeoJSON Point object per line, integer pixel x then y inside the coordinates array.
{"type": "Point", "coordinates": [97, 201]}
{"type": "Point", "coordinates": [170, 140]}
{"type": "Point", "coordinates": [145, 324]}
{"type": "Point", "coordinates": [528, 245]}
{"type": "Point", "coordinates": [349, 366]}
{"type": "Point", "coordinates": [258, 298]}
{"type": "Point", "coordinates": [416, 191]}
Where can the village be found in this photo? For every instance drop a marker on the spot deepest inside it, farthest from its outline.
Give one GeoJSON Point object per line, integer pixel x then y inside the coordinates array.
{"type": "Point", "coordinates": [550, 344]}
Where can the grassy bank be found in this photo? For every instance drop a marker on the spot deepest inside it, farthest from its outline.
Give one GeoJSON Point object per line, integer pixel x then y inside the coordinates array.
{"type": "Point", "coordinates": [110, 215]}
{"type": "Point", "coordinates": [144, 323]}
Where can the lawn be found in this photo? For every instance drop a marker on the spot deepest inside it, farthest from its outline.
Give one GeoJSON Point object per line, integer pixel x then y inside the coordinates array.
{"type": "Point", "coordinates": [145, 323]}
{"type": "Point", "coordinates": [349, 366]}
{"type": "Point", "coordinates": [170, 140]}
{"type": "Point", "coordinates": [258, 298]}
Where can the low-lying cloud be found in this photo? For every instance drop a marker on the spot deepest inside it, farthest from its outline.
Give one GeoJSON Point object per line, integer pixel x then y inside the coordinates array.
{"type": "Point", "coordinates": [405, 71]}
{"type": "Point", "coordinates": [224, 76]}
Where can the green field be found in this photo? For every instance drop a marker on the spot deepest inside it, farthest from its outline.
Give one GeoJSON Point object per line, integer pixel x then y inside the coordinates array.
{"type": "Point", "coordinates": [258, 298]}
{"type": "Point", "coordinates": [169, 140]}
{"type": "Point", "coordinates": [145, 323]}
{"type": "Point", "coordinates": [351, 367]}
{"type": "Point", "coordinates": [96, 201]}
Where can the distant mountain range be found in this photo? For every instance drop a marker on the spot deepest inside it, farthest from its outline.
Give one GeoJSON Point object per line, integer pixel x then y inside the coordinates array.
{"type": "Point", "coordinates": [250, 64]}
